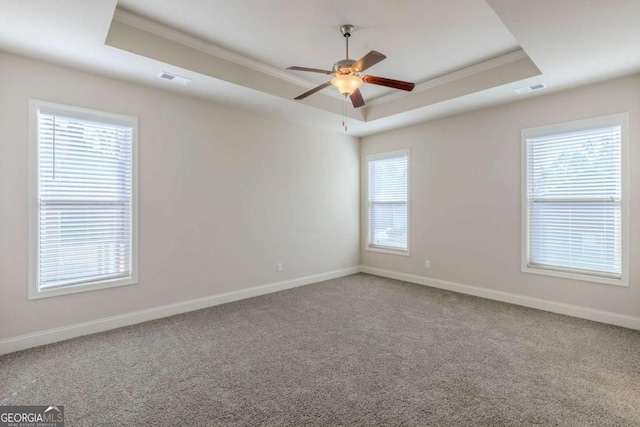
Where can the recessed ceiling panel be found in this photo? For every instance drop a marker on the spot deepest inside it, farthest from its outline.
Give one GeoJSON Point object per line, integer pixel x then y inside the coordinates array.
{"type": "Point", "coordinates": [422, 39]}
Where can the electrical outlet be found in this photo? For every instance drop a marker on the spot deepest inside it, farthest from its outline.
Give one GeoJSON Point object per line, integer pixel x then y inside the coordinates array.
{"type": "Point", "coordinates": [279, 267]}
{"type": "Point", "coordinates": [427, 264]}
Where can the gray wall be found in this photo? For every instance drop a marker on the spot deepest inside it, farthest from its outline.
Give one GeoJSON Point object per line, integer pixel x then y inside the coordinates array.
{"type": "Point", "coordinates": [224, 195]}
{"type": "Point", "coordinates": [465, 196]}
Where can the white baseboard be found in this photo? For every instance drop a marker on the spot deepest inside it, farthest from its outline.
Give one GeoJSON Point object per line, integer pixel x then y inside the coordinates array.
{"type": "Point", "coordinates": [540, 304]}
{"type": "Point", "coordinates": [22, 342]}
{"type": "Point", "coordinates": [77, 330]}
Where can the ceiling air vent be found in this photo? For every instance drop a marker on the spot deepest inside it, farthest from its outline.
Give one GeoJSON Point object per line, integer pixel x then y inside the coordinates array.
{"type": "Point", "coordinates": [173, 78]}
{"type": "Point", "coordinates": [531, 88]}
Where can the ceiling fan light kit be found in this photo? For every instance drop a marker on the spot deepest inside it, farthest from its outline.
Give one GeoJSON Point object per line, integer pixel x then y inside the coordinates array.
{"type": "Point", "coordinates": [347, 78]}
{"type": "Point", "coordinates": [347, 83]}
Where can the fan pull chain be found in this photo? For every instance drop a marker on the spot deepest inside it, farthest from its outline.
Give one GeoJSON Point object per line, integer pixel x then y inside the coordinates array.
{"type": "Point", "coordinates": [344, 113]}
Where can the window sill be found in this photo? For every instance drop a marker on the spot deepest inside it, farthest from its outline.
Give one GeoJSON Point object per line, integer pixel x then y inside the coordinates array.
{"type": "Point", "coordinates": [401, 252]}
{"type": "Point", "coordinates": [84, 287]}
{"type": "Point", "coordinates": [576, 276]}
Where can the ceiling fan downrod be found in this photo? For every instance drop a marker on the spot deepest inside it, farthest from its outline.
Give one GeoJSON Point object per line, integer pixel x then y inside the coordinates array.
{"type": "Point", "coordinates": [346, 32]}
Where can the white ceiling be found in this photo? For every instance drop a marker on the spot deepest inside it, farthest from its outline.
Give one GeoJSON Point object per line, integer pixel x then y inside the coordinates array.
{"type": "Point", "coordinates": [435, 38]}
{"type": "Point", "coordinates": [463, 54]}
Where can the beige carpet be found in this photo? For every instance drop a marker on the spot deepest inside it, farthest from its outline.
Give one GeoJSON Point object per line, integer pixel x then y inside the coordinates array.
{"type": "Point", "coordinates": [360, 350]}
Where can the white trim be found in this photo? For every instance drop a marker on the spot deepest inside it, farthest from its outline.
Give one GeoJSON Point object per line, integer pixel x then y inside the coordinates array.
{"type": "Point", "coordinates": [210, 48]}
{"type": "Point", "coordinates": [543, 270]}
{"type": "Point", "coordinates": [490, 64]}
{"type": "Point", "coordinates": [620, 119]}
{"type": "Point", "coordinates": [35, 107]}
{"type": "Point", "coordinates": [388, 250]}
{"type": "Point", "coordinates": [50, 336]}
{"type": "Point", "coordinates": [525, 301]}
{"type": "Point", "coordinates": [378, 156]}
{"type": "Point", "coordinates": [174, 35]}
{"type": "Point", "coordinates": [388, 154]}
{"type": "Point", "coordinates": [22, 342]}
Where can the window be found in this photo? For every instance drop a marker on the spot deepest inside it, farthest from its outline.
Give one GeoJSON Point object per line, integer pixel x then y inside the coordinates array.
{"type": "Point", "coordinates": [388, 202]}
{"type": "Point", "coordinates": [575, 217]}
{"type": "Point", "coordinates": [83, 210]}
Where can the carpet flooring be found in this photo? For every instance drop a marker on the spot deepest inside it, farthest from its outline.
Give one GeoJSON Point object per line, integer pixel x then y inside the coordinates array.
{"type": "Point", "coordinates": [360, 350]}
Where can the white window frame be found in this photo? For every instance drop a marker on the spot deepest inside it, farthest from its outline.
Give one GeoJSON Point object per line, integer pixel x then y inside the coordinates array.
{"type": "Point", "coordinates": [367, 243]}
{"type": "Point", "coordinates": [34, 232]}
{"type": "Point", "coordinates": [622, 120]}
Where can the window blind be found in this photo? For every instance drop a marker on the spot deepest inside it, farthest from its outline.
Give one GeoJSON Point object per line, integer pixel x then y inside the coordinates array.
{"type": "Point", "coordinates": [84, 201]}
{"type": "Point", "coordinates": [574, 201]}
{"type": "Point", "coordinates": [388, 202]}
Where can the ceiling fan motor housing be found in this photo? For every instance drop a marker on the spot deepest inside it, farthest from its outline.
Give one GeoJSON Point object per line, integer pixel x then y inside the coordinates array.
{"type": "Point", "coordinates": [344, 67]}
{"type": "Point", "coordinates": [346, 30]}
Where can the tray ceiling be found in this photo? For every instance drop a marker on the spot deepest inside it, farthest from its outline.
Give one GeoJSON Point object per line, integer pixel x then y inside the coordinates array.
{"type": "Point", "coordinates": [462, 54]}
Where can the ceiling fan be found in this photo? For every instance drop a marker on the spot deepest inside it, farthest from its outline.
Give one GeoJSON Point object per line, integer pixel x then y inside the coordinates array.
{"type": "Point", "coordinates": [347, 74]}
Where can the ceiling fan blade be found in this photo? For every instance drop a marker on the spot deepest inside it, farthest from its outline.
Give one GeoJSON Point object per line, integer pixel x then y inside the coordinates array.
{"type": "Point", "coordinates": [356, 99]}
{"type": "Point", "coordinates": [312, 70]}
{"type": "Point", "coordinates": [314, 90]}
{"type": "Point", "coordinates": [371, 58]}
{"type": "Point", "coordinates": [396, 84]}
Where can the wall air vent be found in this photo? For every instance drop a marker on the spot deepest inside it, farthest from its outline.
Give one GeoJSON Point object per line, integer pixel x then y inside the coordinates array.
{"type": "Point", "coordinates": [173, 78]}
{"type": "Point", "coordinates": [531, 88]}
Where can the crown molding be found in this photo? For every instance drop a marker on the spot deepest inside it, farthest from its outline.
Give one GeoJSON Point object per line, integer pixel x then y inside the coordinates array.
{"type": "Point", "coordinates": [128, 30]}
{"type": "Point", "coordinates": [209, 48]}
{"type": "Point", "coordinates": [453, 76]}
{"type": "Point", "coordinates": [166, 32]}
